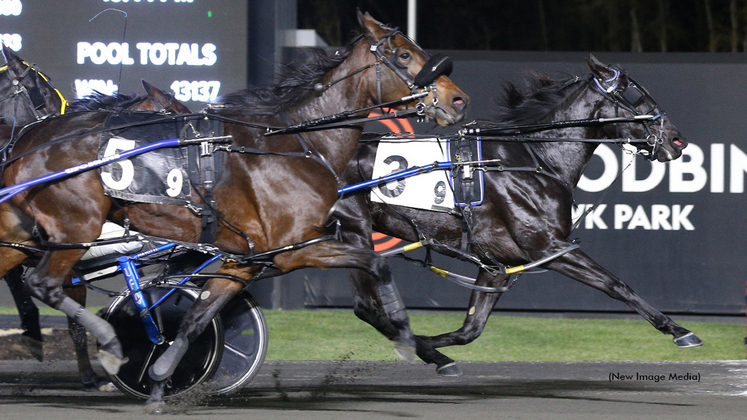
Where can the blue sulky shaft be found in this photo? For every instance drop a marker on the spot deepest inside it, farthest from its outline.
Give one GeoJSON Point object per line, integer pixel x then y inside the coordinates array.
{"type": "Point", "coordinates": [7, 193]}
{"type": "Point", "coordinates": [132, 278]}
{"type": "Point", "coordinates": [394, 176]}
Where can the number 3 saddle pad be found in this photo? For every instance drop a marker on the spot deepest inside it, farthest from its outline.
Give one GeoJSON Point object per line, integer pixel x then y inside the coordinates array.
{"type": "Point", "coordinates": [165, 175]}
{"type": "Point", "coordinates": [438, 190]}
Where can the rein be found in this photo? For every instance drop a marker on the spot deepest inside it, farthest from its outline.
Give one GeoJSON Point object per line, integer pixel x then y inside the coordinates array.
{"type": "Point", "coordinates": [505, 132]}
{"type": "Point", "coordinates": [630, 98]}
{"type": "Point", "coordinates": [344, 118]}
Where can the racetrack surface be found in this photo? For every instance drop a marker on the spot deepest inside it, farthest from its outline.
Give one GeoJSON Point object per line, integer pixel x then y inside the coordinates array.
{"type": "Point", "coordinates": [352, 390]}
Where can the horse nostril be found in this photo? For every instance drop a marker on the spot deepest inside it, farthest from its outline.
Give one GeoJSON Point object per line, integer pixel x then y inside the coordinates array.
{"type": "Point", "coordinates": [459, 103]}
{"type": "Point", "coordinates": [678, 142]}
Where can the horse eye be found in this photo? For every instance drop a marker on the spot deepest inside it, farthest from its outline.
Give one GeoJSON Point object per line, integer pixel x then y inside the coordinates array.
{"type": "Point", "coordinates": [405, 57]}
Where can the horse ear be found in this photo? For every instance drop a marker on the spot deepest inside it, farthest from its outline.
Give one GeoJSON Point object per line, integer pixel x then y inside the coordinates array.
{"type": "Point", "coordinates": [11, 57]}
{"type": "Point", "coordinates": [372, 28]}
{"type": "Point", "coordinates": [156, 94]}
{"type": "Point", "coordinates": [599, 69]}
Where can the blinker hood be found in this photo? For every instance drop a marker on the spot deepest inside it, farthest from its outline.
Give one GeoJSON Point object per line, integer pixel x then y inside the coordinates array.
{"type": "Point", "coordinates": [439, 64]}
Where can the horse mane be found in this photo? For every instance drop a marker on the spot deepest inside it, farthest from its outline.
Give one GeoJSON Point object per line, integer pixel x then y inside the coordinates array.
{"type": "Point", "coordinates": [539, 96]}
{"type": "Point", "coordinates": [97, 101]}
{"type": "Point", "coordinates": [294, 84]}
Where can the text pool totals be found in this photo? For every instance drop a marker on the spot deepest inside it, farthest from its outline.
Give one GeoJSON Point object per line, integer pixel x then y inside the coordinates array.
{"type": "Point", "coordinates": [195, 48]}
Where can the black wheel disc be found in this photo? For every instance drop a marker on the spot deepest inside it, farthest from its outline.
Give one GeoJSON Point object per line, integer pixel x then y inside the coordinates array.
{"type": "Point", "coordinates": [245, 344]}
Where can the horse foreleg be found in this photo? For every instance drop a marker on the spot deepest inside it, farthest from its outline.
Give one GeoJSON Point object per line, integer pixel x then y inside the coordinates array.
{"type": "Point", "coordinates": [45, 283]}
{"type": "Point", "coordinates": [480, 306]}
{"type": "Point", "coordinates": [578, 266]}
{"type": "Point", "coordinates": [27, 311]}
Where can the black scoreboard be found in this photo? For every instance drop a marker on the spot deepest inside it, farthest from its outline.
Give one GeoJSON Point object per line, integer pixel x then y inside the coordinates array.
{"type": "Point", "coordinates": [195, 48]}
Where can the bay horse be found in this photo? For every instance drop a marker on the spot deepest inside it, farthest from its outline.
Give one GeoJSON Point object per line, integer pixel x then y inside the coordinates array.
{"type": "Point", "coordinates": [26, 96]}
{"type": "Point", "coordinates": [272, 202]}
{"type": "Point", "coordinates": [526, 215]}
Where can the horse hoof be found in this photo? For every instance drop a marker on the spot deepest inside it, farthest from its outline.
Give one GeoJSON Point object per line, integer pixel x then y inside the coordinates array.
{"type": "Point", "coordinates": [35, 347]}
{"type": "Point", "coordinates": [688, 340]}
{"type": "Point", "coordinates": [449, 369]}
{"type": "Point", "coordinates": [155, 407]}
{"type": "Point", "coordinates": [111, 362]}
{"type": "Point", "coordinates": [100, 384]}
{"type": "Point", "coordinates": [111, 357]}
{"type": "Point", "coordinates": [406, 352]}
{"type": "Point", "coordinates": [107, 387]}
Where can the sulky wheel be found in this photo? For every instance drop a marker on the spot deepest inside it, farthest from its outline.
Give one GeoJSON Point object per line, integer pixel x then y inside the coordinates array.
{"type": "Point", "coordinates": [245, 344]}
{"type": "Point", "coordinates": [198, 364]}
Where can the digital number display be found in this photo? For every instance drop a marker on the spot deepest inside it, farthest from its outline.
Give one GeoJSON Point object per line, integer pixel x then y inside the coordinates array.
{"type": "Point", "coordinates": [195, 48]}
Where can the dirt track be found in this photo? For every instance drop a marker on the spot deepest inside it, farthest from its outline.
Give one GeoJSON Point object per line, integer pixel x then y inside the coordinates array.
{"type": "Point", "coordinates": [352, 390]}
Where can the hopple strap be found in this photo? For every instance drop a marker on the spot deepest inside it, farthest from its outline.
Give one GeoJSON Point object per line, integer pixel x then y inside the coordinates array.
{"type": "Point", "coordinates": [205, 170]}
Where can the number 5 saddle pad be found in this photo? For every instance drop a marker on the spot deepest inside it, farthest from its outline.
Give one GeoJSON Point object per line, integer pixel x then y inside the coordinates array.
{"type": "Point", "coordinates": [163, 176]}
{"type": "Point", "coordinates": [438, 190]}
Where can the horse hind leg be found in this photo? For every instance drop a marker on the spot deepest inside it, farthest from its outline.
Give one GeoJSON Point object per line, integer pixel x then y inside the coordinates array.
{"type": "Point", "coordinates": [377, 300]}
{"type": "Point", "coordinates": [578, 266]}
{"type": "Point", "coordinates": [480, 306]}
{"type": "Point", "coordinates": [381, 307]}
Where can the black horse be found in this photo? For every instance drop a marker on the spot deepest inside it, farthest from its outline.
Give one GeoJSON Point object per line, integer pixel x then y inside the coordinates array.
{"type": "Point", "coordinates": [272, 202]}
{"type": "Point", "coordinates": [526, 215]}
{"type": "Point", "coordinates": [26, 96]}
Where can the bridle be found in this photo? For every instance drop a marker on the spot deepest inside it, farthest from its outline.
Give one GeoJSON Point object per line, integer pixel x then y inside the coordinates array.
{"type": "Point", "coordinates": [631, 98]}
{"type": "Point", "coordinates": [420, 86]}
{"type": "Point", "coordinates": [435, 66]}
{"type": "Point", "coordinates": [34, 95]}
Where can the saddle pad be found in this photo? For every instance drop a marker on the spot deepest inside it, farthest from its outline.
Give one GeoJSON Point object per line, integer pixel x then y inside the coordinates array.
{"type": "Point", "coordinates": [427, 191]}
{"type": "Point", "coordinates": [160, 176]}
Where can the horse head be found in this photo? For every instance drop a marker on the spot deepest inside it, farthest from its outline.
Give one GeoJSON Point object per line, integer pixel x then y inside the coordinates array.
{"type": "Point", "coordinates": [630, 99]}
{"type": "Point", "coordinates": [26, 95]}
{"type": "Point", "coordinates": [411, 71]}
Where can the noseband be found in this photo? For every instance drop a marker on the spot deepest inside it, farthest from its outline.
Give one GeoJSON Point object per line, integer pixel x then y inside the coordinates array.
{"type": "Point", "coordinates": [631, 99]}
